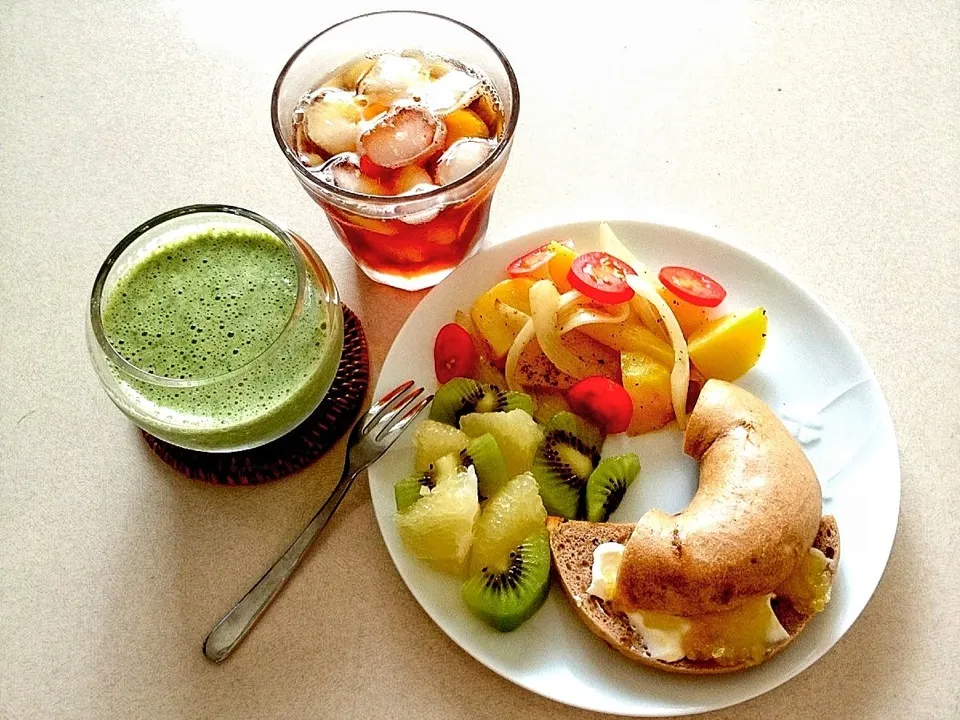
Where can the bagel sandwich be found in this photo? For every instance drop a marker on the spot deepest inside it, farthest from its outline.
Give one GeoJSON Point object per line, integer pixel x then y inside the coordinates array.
{"type": "Point", "coordinates": [733, 578]}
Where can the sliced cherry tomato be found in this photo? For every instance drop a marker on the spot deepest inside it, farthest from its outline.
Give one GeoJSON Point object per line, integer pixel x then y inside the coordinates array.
{"type": "Point", "coordinates": [602, 277]}
{"type": "Point", "coordinates": [454, 354]}
{"type": "Point", "coordinates": [692, 286]}
{"type": "Point", "coordinates": [535, 263]}
{"type": "Point", "coordinates": [603, 402]}
{"type": "Point", "coordinates": [369, 168]}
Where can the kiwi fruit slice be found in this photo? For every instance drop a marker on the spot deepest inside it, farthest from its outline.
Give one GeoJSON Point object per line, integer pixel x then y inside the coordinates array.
{"type": "Point", "coordinates": [549, 404]}
{"type": "Point", "coordinates": [507, 595]}
{"type": "Point", "coordinates": [406, 492]}
{"type": "Point", "coordinates": [461, 396]}
{"type": "Point", "coordinates": [564, 462]}
{"type": "Point", "coordinates": [608, 483]}
{"type": "Point", "coordinates": [485, 456]}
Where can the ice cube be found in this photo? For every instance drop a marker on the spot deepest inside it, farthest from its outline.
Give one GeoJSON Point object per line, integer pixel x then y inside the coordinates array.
{"type": "Point", "coordinates": [391, 78]}
{"type": "Point", "coordinates": [330, 120]}
{"type": "Point", "coordinates": [353, 73]}
{"type": "Point", "coordinates": [462, 157]}
{"type": "Point", "coordinates": [450, 92]}
{"type": "Point", "coordinates": [402, 136]}
{"type": "Point", "coordinates": [421, 216]}
{"type": "Point", "coordinates": [437, 67]}
{"type": "Point", "coordinates": [344, 171]}
{"type": "Point", "coordinates": [305, 148]}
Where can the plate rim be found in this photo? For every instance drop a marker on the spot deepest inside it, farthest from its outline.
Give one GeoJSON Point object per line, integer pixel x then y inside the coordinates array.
{"type": "Point", "coordinates": [886, 426]}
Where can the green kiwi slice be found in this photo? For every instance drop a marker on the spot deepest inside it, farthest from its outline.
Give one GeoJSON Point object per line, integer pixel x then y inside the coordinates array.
{"type": "Point", "coordinates": [608, 483]}
{"type": "Point", "coordinates": [563, 463]}
{"type": "Point", "coordinates": [507, 596]}
{"type": "Point", "coordinates": [406, 492]}
{"type": "Point", "coordinates": [461, 396]}
{"type": "Point", "coordinates": [485, 456]}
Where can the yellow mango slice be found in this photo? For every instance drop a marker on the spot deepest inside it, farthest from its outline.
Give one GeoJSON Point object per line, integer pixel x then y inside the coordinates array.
{"type": "Point", "coordinates": [407, 178]}
{"type": "Point", "coordinates": [631, 336]}
{"type": "Point", "coordinates": [729, 346]}
{"type": "Point", "coordinates": [487, 111]}
{"type": "Point", "coordinates": [381, 227]}
{"type": "Point", "coordinates": [490, 322]}
{"type": "Point", "coordinates": [648, 384]}
{"type": "Point", "coordinates": [372, 109]}
{"type": "Point", "coordinates": [464, 123]}
{"type": "Point", "coordinates": [486, 370]}
{"type": "Point", "coordinates": [689, 316]}
{"type": "Point", "coordinates": [559, 265]}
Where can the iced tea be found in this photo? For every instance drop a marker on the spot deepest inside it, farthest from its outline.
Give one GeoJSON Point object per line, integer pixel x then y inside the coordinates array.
{"type": "Point", "coordinates": [401, 130]}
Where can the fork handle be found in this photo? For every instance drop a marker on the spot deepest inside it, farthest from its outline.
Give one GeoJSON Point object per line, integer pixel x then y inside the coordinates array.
{"type": "Point", "coordinates": [237, 623]}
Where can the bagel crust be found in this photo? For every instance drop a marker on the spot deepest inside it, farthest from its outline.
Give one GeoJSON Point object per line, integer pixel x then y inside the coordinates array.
{"type": "Point", "coordinates": [755, 513]}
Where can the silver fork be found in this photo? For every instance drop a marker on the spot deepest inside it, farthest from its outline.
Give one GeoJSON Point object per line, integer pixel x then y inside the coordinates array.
{"type": "Point", "coordinates": [372, 435]}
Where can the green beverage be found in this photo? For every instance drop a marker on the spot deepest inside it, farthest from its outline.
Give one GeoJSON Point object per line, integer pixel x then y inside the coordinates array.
{"type": "Point", "coordinates": [222, 338]}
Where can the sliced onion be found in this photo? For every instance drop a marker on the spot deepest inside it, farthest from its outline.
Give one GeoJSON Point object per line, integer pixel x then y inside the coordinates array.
{"type": "Point", "coordinates": [514, 319]}
{"type": "Point", "coordinates": [647, 299]}
{"type": "Point", "coordinates": [544, 304]}
{"type": "Point", "coordinates": [680, 374]}
{"type": "Point", "coordinates": [649, 317]}
{"type": "Point", "coordinates": [648, 312]}
{"type": "Point", "coordinates": [593, 315]}
{"type": "Point", "coordinates": [610, 243]}
{"type": "Point", "coordinates": [572, 299]}
{"type": "Point", "coordinates": [526, 334]}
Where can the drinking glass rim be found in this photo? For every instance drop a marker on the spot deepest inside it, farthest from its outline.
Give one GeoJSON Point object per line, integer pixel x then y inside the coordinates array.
{"type": "Point", "coordinates": [392, 200]}
{"type": "Point", "coordinates": [96, 296]}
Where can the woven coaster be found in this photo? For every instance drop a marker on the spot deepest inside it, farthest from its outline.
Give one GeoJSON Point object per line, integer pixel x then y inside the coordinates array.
{"type": "Point", "coordinates": [302, 445]}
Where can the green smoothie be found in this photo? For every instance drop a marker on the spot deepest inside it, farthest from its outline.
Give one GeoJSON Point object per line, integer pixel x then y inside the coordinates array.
{"type": "Point", "coordinates": [214, 303]}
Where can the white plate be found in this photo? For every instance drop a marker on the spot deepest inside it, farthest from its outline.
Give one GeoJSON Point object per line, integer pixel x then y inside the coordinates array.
{"type": "Point", "coordinates": [811, 373]}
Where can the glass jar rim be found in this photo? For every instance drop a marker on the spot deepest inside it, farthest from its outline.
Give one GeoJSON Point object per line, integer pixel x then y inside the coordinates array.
{"type": "Point", "coordinates": [96, 296]}
{"type": "Point", "coordinates": [376, 200]}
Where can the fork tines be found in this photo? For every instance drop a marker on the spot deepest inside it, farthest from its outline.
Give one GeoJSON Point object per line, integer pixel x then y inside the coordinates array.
{"type": "Point", "coordinates": [394, 410]}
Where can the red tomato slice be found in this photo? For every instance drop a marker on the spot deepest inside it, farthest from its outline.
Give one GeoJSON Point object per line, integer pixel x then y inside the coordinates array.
{"type": "Point", "coordinates": [692, 286]}
{"type": "Point", "coordinates": [603, 402]}
{"type": "Point", "coordinates": [601, 277]}
{"type": "Point", "coordinates": [534, 262]}
{"type": "Point", "coordinates": [454, 354]}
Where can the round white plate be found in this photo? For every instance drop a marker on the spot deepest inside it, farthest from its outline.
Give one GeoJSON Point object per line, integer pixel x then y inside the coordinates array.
{"type": "Point", "coordinates": [811, 373]}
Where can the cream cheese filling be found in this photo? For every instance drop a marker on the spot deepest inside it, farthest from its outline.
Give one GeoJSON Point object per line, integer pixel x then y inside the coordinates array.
{"type": "Point", "coordinates": [666, 636]}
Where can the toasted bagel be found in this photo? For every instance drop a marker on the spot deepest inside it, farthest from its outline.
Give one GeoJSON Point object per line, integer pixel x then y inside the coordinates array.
{"type": "Point", "coordinates": [756, 512]}
{"type": "Point", "coordinates": [572, 544]}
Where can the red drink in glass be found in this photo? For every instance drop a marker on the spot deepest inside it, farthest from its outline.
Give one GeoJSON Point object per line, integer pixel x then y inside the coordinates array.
{"type": "Point", "coordinates": [402, 149]}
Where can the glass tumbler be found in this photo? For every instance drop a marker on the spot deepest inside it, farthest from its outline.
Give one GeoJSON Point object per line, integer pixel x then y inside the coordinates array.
{"type": "Point", "coordinates": [406, 241]}
{"type": "Point", "coordinates": [215, 329]}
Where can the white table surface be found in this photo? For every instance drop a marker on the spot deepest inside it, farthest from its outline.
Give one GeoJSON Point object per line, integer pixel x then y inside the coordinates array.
{"type": "Point", "coordinates": [823, 135]}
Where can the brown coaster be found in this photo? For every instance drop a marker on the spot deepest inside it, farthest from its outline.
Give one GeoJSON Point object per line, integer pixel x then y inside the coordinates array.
{"type": "Point", "coordinates": [302, 445]}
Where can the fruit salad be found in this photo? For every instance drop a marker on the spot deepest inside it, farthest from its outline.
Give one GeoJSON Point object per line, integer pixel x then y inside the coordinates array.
{"type": "Point", "coordinates": [569, 348]}
{"type": "Point", "coordinates": [600, 334]}
{"type": "Point", "coordinates": [485, 476]}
